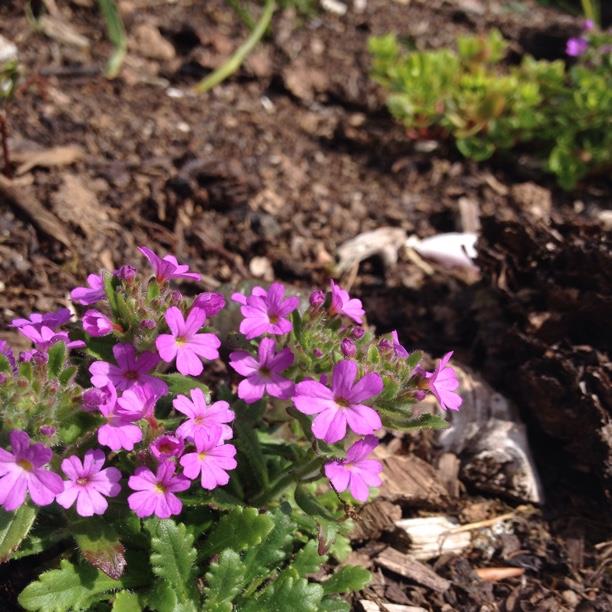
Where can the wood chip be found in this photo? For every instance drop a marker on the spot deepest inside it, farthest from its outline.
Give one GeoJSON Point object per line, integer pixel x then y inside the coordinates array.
{"type": "Point", "coordinates": [432, 536]}
{"type": "Point", "coordinates": [410, 479]}
{"type": "Point", "coordinates": [493, 574]}
{"type": "Point", "coordinates": [23, 198]}
{"type": "Point", "coordinates": [75, 203]}
{"type": "Point", "coordinates": [370, 606]}
{"type": "Point", "coordinates": [55, 156]}
{"type": "Point", "coordinates": [410, 568]}
{"type": "Point", "coordinates": [374, 518]}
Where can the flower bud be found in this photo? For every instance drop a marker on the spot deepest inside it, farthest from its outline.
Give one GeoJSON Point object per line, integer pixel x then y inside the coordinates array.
{"type": "Point", "coordinates": [148, 324]}
{"type": "Point", "coordinates": [166, 446]}
{"type": "Point", "coordinates": [40, 358]}
{"type": "Point", "coordinates": [47, 430]}
{"type": "Point", "coordinates": [317, 298]}
{"type": "Point", "coordinates": [126, 273]}
{"type": "Point", "coordinates": [318, 353]}
{"type": "Point", "coordinates": [176, 297]}
{"type": "Point", "coordinates": [357, 332]}
{"type": "Point", "coordinates": [347, 346]}
{"type": "Point", "coordinates": [97, 324]}
{"type": "Point", "coordinates": [385, 345]}
{"type": "Point", "coordinates": [210, 302]}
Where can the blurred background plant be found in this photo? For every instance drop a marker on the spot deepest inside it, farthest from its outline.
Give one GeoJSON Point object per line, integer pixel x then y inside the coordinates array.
{"type": "Point", "coordinates": [471, 96]}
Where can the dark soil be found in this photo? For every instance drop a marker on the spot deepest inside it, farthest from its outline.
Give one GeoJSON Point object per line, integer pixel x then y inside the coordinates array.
{"type": "Point", "coordinates": [272, 171]}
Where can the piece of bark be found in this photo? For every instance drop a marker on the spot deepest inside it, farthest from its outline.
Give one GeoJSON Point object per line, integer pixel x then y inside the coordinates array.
{"type": "Point", "coordinates": [54, 156]}
{"type": "Point", "coordinates": [45, 220]}
{"type": "Point", "coordinates": [407, 478]}
{"type": "Point", "coordinates": [448, 469]}
{"type": "Point", "coordinates": [431, 536]}
{"type": "Point", "coordinates": [491, 441]}
{"type": "Point", "coordinates": [374, 518]}
{"type": "Point", "coordinates": [410, 568]}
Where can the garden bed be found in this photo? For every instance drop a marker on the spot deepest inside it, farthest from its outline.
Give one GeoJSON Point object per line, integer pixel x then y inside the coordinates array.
{"type": "Point", "coordinates": [268, 174]}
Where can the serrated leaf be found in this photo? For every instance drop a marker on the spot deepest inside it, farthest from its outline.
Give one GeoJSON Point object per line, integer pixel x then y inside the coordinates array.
{"type": "Point", "coordinates": [310, 504]}
{"type": "Point", "coordinates": [287, 593]}
{"type": "Point", "coordinates": [162, 597]}
{"type": "Point", "coordinates": [224, 580]}
{"type": "Point", "coordinates": [240, 529]}
{"type": "Point", "coordinates": [99, 544]}
{"type": "Point", "coordinates": [308, 560]}
{"type": "Point", "coordinates": [67, 589]}
{"type": "Point", "coordinates": [14, 527]}
{"type": "Point", "coordinates": [126, 601]}
{"type": "Point", "coordinates": [347, 579]}
{"type": "Point", "coordinates": [57, 357]}
{"type": "Point", "coordinates": [272, 550]}
{"type": "Point", "coordinates": [173, 557]}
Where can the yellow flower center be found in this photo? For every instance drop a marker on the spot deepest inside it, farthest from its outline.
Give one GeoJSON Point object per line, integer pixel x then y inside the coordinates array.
{"type": "Point", "coordinates": [25, 464]}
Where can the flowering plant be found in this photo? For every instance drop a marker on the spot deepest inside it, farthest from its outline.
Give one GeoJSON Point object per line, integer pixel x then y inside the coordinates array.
{"type": "Point", "coordinates": [185, 483]}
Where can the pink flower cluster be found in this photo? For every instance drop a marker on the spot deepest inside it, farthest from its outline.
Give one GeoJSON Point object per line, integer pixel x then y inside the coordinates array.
{"type": "Point", "coordinates": [341, 406]}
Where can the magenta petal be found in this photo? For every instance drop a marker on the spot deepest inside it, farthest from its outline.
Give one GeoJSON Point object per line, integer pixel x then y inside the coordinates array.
{"type": "Point", "coordinates": [244, 363]}
{"type": "Point", "coordinates": [338, 475]}
{"type": "Point", "coordinates": [330, 425]}
{"type": "Point", "coordinates": [187, 362]}
{"type": "Point", "coordinates": [366, 387]}
{"type": "Point", "coordinates": [363, 419]}
{"type": "Point", "coordinates": [249, 392]}
{"type": "Point", "coordinates": [358, 488]}
{"type": "Point", "coordinates": [343, 376]}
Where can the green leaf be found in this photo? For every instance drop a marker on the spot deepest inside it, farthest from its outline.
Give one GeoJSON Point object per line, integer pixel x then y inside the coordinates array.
{"type": "Point", "coordinates": [67, 589]}
{"type": "Point", "coordinates": [173, 557]}
{"type": "Point", "coordinates": [66, 375]}
{"type": "Point", "coordinates": [333, 604]}
{"type": "Point", "coordinates": [57, 356]}
{"type": "Point", "coordinates": [259, 560]}
{"type": "Point", "coordinates": [346, 579]}
{"type": "Point", "coordinates": [177, 383]}
{"type": "Point", "coordinates": [126, 601]}
{"type": "Point", "coordinates": [288, 593]}
{"type": "Point", "coordinates": [433, 421]}
{"type": "Point", "coordinates": [308, 560]}
{"type": "Point", "coordinates": [250, 450]}
{"type": "Point", "coordinates": [5, 365]}
{"type": "Point", "coordinates": [310, 504]}
{"type": "Point", "coordinates": [413, 359]}
{"type": "Point", "coordinates": [99, 544]}
{"type": "Point", "coordinates": [111, 294]}
{"type": "Point", "coordinates": [224, 580]}
{"type": "Point", "coordinates": [240, 529]}
{"type": "Point", "coordinates": [14, 527]}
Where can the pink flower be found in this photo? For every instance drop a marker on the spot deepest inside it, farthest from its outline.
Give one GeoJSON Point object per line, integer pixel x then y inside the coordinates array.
{"type": "Point", "coordinates": [212, 460]}
{"type": "Point", "coordinates": [185, 343]}
{"type": "Point", "coordinates": [442, 382]}
{"type": "Point", "coordinates": [93, 398]}
{"type": "Point", "coordinates": [7, 351]}
{"type": "Point", "coordinates": [47, 319]}
{"type": "Point", "coordinates": [212, 303]}
{"type": "Point", "coordinates": [356, 473]}
{"type": "Point", "coordinates": [265, 312]}
{"type": "Point", "coordinates": [400, 351]}
{"type": "Point", "coordinates": [119, 431]}
{"type": "Point", "coordinates": [576, 46]}
{"type": "Point", "coordinates": [342, 404]}
{"type": "Point", "coordinates": [156, 492]}
{"type": "Point", "coordinates": [263, 375]}
{"type": "Point", "coordinates": [166, 447]}
{"type": "Point", "coordinates": [22, 471]}
{"type": "Point", "coordinates": [91, 294]}
{"type": "Point", "coordinates": [136, 403]}
{"type": "Point", "coordinates": [131, 369]}
{"type": "Point", "coordinates": [343, 304]}
{"type": "Point", "coordinates": [97, 324]}
{"type": "Point", "coordinates": [88, 483]}
{"type": "Point", "coordinates": [167, 267]}
{"type": "Point", "coordinates": [203, 421]}
{"type": "Point", "coordinates": [348, 348]}
{"type": "Point", "coordinates": [44, 337]}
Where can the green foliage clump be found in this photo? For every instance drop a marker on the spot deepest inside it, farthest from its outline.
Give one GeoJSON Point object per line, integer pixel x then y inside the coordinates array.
{"type": "Point", "coordinates": [471, 96]}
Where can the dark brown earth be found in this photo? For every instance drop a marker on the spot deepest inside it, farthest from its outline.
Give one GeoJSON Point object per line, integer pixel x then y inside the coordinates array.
{"type": "Point", "coordinates": [272, 171]}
